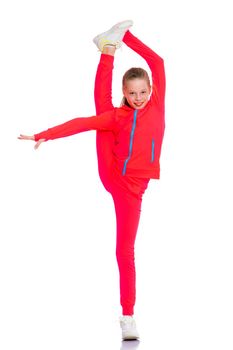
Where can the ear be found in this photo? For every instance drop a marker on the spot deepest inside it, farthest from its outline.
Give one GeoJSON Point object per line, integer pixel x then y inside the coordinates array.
{"type": "Point", "coordinates": [150, 87]}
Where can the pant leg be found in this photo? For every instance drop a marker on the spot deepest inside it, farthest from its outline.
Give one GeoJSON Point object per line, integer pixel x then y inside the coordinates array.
{"type": "Point", "coordinates": [103, 102]}
{"type": "Point", "coordinates": [103, 84]}
{"type": "Point", "coordinates": [128, 210]}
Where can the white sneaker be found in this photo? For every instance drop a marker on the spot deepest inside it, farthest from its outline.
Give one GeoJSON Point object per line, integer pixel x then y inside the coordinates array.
{"type": "Point", "coordinates": [128, 327]}
{"type": "Point", "coordinates": [113, 36]}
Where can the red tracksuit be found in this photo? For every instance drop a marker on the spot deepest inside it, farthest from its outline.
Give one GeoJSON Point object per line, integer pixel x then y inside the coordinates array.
{"type": "Point", "coordinates": [128, 149]}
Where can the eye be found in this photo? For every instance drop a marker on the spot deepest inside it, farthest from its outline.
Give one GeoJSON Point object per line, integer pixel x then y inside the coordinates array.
{"type": "Point", "coordinates": [144, 92]}
{"type": "Point", "coordinates": [131, 93]}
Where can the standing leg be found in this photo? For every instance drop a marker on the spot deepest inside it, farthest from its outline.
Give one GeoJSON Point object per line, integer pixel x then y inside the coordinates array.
{"type": "Point", "coordinates": [128, 210]}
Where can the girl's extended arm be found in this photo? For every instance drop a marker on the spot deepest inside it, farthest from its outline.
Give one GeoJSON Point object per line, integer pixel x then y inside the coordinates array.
{"type": "Point", "coordinates": [104, 121]}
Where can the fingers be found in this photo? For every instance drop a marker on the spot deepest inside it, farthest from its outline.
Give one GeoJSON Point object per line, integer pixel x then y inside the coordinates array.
{"type": "Point", "coordinates": [26, 137]}
{"type": "Point", "coordinates": [32, 138]}
{"type": "Point", "coordinates": [37, 145]}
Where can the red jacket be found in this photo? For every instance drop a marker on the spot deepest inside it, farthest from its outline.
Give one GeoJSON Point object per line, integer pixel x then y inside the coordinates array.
{"type": "Point", "coordinates": [138, 133]}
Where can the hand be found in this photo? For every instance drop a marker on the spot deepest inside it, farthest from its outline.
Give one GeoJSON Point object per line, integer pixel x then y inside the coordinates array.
{"type": "Point", "coordinates": [32, 138]}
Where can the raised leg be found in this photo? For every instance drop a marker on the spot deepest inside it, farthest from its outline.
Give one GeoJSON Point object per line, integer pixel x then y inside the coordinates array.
{"type": "Point", "coordinates": [103, 83]}
{"type": "Point", "coordinates": [103, 102]}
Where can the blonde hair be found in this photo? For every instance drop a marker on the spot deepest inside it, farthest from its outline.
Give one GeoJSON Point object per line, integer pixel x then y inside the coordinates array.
{"type": "Point", "coordinates": [133, 73]}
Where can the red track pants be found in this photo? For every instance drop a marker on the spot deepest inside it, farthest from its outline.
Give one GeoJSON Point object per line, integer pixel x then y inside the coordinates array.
{"type": "Point", "coordinates": [126, 191]}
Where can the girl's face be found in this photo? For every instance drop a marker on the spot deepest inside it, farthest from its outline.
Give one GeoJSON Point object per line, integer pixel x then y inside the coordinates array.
{"type": "Point", "coordinates": [137, 92]}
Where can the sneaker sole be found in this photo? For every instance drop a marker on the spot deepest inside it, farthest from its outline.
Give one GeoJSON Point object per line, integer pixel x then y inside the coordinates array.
{"type": "Point", "coordinates": [123, 25]}
{"type": "Point", "coordinates": [130, 338]}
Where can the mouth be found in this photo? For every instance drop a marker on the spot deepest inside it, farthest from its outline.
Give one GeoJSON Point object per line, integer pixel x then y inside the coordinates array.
{"type": "Point", "coordinates": [138, 104]}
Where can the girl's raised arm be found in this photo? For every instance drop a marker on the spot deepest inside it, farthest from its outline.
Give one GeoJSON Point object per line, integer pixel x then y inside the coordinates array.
{"type": "Point", "coordinates": [154, 61]}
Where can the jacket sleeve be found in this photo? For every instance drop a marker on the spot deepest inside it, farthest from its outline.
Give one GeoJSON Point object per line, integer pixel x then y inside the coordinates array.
{"type": "Point", "coordinates": [104, 121]}
{"type": "Point", "coordinates": [154, 61]}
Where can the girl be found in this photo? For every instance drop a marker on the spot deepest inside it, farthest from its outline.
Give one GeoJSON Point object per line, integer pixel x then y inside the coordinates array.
{"type": "Point", "coordinates": [128, 141]}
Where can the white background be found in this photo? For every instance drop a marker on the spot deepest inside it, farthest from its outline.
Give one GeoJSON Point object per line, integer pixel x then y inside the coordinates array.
{"type": "Point", "coordinates": [58, 272]}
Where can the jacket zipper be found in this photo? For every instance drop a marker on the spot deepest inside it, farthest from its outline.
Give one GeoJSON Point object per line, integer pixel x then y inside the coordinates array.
{"type": "Point", "coordinates": [131, 141]}
{"type": "Point", "coordinates": [152, 150]}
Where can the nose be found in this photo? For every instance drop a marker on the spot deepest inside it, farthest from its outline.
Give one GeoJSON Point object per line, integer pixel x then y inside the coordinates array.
{"type": "Point", "coordinates": [138, 97]}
